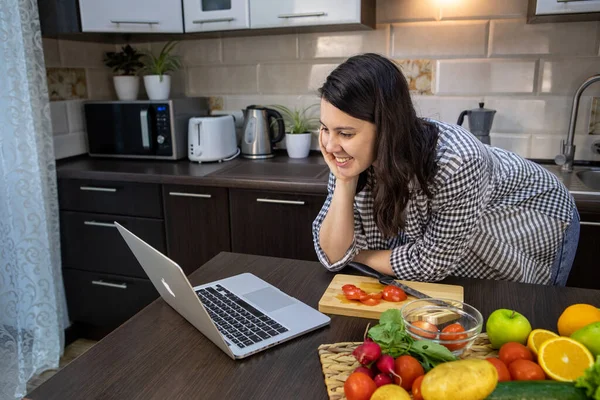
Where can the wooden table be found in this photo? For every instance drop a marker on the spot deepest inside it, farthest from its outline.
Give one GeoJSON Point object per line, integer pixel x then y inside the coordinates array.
{"type": "Point", "coordinates": [159, 355]}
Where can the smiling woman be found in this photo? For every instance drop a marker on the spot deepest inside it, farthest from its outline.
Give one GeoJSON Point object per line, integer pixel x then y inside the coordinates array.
{"type": "Point", "coordinates": [421, 199]}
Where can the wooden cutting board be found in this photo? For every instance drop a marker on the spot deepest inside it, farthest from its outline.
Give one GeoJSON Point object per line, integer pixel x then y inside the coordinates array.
{"type": "Point", "coordinates": [334, 301]}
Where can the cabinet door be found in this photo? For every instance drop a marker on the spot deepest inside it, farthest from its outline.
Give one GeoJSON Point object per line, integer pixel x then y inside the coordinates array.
{"type": "Point", "coordinates": [585, 272]}
{"type": "Point", "coordinates": [545, 7]}
{"type": "Point", "coordinates": [273, 224]}
{"type": "Point", "coordinates": [197, 222]}
{"type": "Point", "coordinates": [215, 15]}
{"type": "Point", "coordinates": [282, 13]}
{"type": "Point", "coordinates": [150, 16]}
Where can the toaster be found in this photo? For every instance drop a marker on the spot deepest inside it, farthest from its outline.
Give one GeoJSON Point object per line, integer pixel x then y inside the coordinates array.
{"type": "Point", "coordinates": [212, 138]}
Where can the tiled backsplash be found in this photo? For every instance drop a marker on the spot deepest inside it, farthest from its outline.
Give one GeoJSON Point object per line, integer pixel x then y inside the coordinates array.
{"type": "Point", "coordinates": [457, 53]}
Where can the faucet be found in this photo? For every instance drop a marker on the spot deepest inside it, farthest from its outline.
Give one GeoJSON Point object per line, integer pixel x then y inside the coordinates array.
{"type": "Point", "coordinates": [568, 148]}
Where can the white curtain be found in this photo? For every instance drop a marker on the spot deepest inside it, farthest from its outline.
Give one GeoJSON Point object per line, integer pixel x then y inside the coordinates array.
{"type": "Point", "coordinates": [32, 302]}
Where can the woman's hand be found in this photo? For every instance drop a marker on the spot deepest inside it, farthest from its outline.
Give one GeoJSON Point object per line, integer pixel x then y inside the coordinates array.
{"type": "Point", "coordinates": [330, 160]}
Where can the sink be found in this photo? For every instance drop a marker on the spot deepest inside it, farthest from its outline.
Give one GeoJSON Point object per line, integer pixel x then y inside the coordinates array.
{"type": "Point", "coordinates": [590, 178]}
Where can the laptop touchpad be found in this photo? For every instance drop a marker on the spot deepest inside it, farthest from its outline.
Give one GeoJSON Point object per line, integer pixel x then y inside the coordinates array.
{"type": "Point", "coordinates": [269, 299]}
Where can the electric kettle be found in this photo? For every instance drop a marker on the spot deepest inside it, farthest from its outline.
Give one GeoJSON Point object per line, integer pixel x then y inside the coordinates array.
{"type": "Point", "coordinates": [257, 136]}
{"type": "Point", "coordinates": [480, 122]}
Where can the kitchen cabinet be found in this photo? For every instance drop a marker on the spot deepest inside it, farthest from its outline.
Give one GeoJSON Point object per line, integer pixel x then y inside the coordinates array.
{"type": "Point", "coordinates": [215, 15]}
{"type": "Point", "coordinates": [273, 223]}
{"type": "Point", "coordinates": [291, 13]}
{"type": "Point", "coordinates": [197, 224]}
{"type": "Point", "coordinates": [585, 272]}
{"type": "Point", "coordinates": [131, 16]}
{"type": "Point", "coordinates": [58, 17]}
{"type": "Point", "coordinates": [563, 10]}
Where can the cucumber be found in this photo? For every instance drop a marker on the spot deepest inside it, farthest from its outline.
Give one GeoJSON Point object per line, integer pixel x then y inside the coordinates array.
{"type": "Point", "coordinates": [537, 390]}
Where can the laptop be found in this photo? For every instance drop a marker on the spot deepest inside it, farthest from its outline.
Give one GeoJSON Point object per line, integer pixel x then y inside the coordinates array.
{"type": "Point", "coordinates": [242, 314]}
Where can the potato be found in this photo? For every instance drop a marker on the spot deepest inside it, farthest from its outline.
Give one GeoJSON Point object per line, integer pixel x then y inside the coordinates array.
{"type": "Point", "coordinates": [464, 380]}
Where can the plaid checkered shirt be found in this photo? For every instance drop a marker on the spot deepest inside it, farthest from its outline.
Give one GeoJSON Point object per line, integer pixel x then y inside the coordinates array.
{"type": "Point", "coordinates": [493, 215]}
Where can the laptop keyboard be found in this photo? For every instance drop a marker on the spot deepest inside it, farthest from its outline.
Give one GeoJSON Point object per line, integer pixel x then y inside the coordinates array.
{"type": "Point", "coordinates": [237, 320]}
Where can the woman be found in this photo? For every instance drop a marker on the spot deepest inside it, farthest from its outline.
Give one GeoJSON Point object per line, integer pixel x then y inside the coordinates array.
{"type": "Point", "coordinates": [422, 199]}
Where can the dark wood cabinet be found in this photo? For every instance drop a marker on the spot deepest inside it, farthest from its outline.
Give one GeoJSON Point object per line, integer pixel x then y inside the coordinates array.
{"type": "Point", "coordinates": [585, 272]}
{"type": "Point", "coordinates": [273, 224]}
{"type": "Point", "coordinates": [59, 17]}
{"type": "Point", "coordinates": [197, 224]}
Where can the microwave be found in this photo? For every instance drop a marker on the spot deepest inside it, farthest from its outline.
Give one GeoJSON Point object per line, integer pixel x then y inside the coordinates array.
{"type": "Point", "coordinates": [154, 129]}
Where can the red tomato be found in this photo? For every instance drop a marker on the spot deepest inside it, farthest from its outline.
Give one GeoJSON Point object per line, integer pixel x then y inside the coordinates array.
{"type": "Point", "coordinates": [454, 328]}
{"type": "Point", "coordinates": [377, 295]}
{"type": "Point", "coordinates": [526, 370]}
{"type": "Point", "coordinates": [409, 369]}
{"type": "Point", "coordinates": [503, 374]}
{"type": "Point", "coordinates": [393, 293]}
{"type": "Point", "coordinates": [359, 386]}
{"type": "Point", "coordinates": [416, 388]}
{"type": "Point", "coordinates": [355, 294]}
{"type": "Point", "coordinates": [370, 301]}
{"type": "Point", "coordinates": [348, 287]}
{"type": "Point", "coordinates": [512, 351]}
{"type": "Point", "coordinates": [425, 326]}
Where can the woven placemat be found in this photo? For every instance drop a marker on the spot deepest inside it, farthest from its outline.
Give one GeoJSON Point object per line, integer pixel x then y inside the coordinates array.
{"type": "Point", "coordinates": [337, 362]}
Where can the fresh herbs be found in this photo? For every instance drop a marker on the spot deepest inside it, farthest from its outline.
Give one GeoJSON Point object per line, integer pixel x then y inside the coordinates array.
{"type": "Point", "coordinates": [590, 381]}
{"type": "Point", "coordinates": [390, 334]}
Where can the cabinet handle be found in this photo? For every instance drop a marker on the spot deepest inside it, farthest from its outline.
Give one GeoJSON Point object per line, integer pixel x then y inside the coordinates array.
{"type": "Point", "coordinates": [211, 20]}
{"type": "Point", "coordinates": [181, 194]}
{"type": "Point", "coordinates": [302, 15]}
{"type": "Point", "coordinates": [97, 189]}
{"type": "Point", "coordinates": [108, 284]}
{"type": "Point", "coordinates": [275, 201]}
{"type": "Point", "coordinates": [136, 22]}
{"type": "Point", "coordinates": [102, 224]}
{"type": "Point", "coordinates": [589, 223]}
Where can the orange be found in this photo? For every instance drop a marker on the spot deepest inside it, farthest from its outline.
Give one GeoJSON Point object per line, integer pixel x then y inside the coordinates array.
{"type": "Point", "coordinates": [576, 317]}
{"type": "Point", "coordinates": [564, 359]}
{"type": "Point", "coordinates": [537, 337]}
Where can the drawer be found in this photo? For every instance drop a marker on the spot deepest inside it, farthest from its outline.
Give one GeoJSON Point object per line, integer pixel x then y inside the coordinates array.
{"type": "Point", "coordinates": [92, 242]}
{"type": "Point", "coordinates": [271, 14]}
{"type": "Point", "coordinates": [121, 198]}
{"type": "Point", "coordinates": [104, 299]}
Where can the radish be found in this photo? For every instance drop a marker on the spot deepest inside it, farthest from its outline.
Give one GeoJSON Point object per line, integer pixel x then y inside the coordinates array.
{"type": "Point", "coordinates": [385, 364]}
{"type": "Point", "coordinates": [383, 379]}
{"type": "Point", "coordinates": [367, 352]}
{"type": "Point", "coordinates": [365, 370]}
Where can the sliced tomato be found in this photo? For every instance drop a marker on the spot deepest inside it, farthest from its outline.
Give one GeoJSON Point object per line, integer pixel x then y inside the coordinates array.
{"type": "Point", "coordinates": [393, 293]}
{"type": "Point", "coordinates": [377, 295]}
{"type": "Point", "coordinates": [355, 294]}
{"type": "Point", "coordinates": [369, 301]}
{"type": "Point", "coordinates": [348, 287]}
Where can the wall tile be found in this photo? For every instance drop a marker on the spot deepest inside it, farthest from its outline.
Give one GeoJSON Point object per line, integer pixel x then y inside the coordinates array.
{"type": "Point", "coordinates": [240, 102]}
{"type": "Point", "coordinates": [484, 76]}
{"type": "Point", "coordinates": [557, 114]}
{"type": "Point", "coordinates": [517, 37]}
{"type": "Point", "coordinates": [58, 114]}
{"type": "Point", "coordinates": [66, 83]}
{"type": "Point", "coordinates": [75, 115]}
{"type": "Point", "coordinates": [100, 84]}
{"type": "Point", "coordinates": [83, 54]}
{"type": "Point", "coordinates": [292, 78]}
{"type": "Point", "coordinates": [545, 146]}
{"type": "Point", "coordinates": [51, 53]}
{"type": "Point", "coordinates": [69, 145]}
{"type": "Point", "coordinates": [407, 10]}
{"type": "Point", "coordinates": [418, 74]}
{"type": "Point", "coordinates": [566, 75]}
{"type": "Point", "coordinates": [178, 83]}
{"type": "Point", "coordinates": [517, 115]}
{"type": "Point", "coordinates": [201, 52]}
{"type": "Point", "coordinates": [520, 143]}
{"type": "Point", "coordinates": [227, 79]}
{"type": "Point", "coordinates": [446, 109]}
{"type": "Point", "coordinates": [583, 150]}
{"type": "Point", "coordinates": [439, 39]}
{"type": "Point", "coordinates": [344, 44]}
{"type": "Point", "coordinates": [464, 9]}
{"type": "Point", "coordinates": [259, 49]}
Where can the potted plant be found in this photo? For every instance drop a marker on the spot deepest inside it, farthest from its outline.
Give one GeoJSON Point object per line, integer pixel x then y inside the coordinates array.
{"type": "Point", "coordinates": [125, 65]}
{"type": "Point", "coordinates": [156, 80]}
{"type": "Point", "coordinates": [299, 128]}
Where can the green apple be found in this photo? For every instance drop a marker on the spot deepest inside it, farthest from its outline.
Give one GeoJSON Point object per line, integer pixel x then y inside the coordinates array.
{"type": "Point", "coordinates": [589, 336]}
{"type": "Point", "coordinates": [505, 326]}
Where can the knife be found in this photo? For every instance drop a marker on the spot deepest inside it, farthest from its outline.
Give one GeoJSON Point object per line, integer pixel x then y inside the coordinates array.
{"type": "Point", "coordinates": [386, 279]}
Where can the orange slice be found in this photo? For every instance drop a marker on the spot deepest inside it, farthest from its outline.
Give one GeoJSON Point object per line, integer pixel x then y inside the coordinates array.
{"type": "Point", "coordinates": [537, 337]}
{"type": "Point", "coordinates": [564, 359]}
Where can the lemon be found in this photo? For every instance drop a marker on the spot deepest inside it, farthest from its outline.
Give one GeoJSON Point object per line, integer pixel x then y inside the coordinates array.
{"type": "Point", "coordinates": [589, 336]}
{"type": "Point", "coordinates": [390, 392]}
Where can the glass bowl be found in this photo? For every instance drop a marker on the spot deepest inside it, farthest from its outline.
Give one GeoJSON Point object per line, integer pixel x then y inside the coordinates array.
{"type": "Point", "coordinates": [427, 318]}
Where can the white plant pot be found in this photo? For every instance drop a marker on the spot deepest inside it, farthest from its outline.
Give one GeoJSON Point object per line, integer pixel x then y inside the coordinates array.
{"type": "Point", "coordinates": [127, 87]}
{"type": "Point", "coordinates": [298, 144]}
{"type": "Point", "coordinates": [156, 88]}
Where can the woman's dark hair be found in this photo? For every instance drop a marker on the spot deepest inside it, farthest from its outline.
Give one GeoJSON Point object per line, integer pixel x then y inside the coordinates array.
{"type": "Point", "coordinates": [372, 88]}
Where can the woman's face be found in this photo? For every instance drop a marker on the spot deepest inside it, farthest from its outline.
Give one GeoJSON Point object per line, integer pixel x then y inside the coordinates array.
{"type": "Point", "coordinates": [350, 140]}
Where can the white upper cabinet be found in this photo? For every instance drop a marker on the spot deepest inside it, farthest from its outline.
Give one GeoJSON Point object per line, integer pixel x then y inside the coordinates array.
{"type": "Point", "coordinates": [148, 16]}
{"type": "Point", "coordinates": [215, 15]}
{"type": "Point", "coordinates": [292, 13]}
{"type": "Point", "coordinates": [544, 7]}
